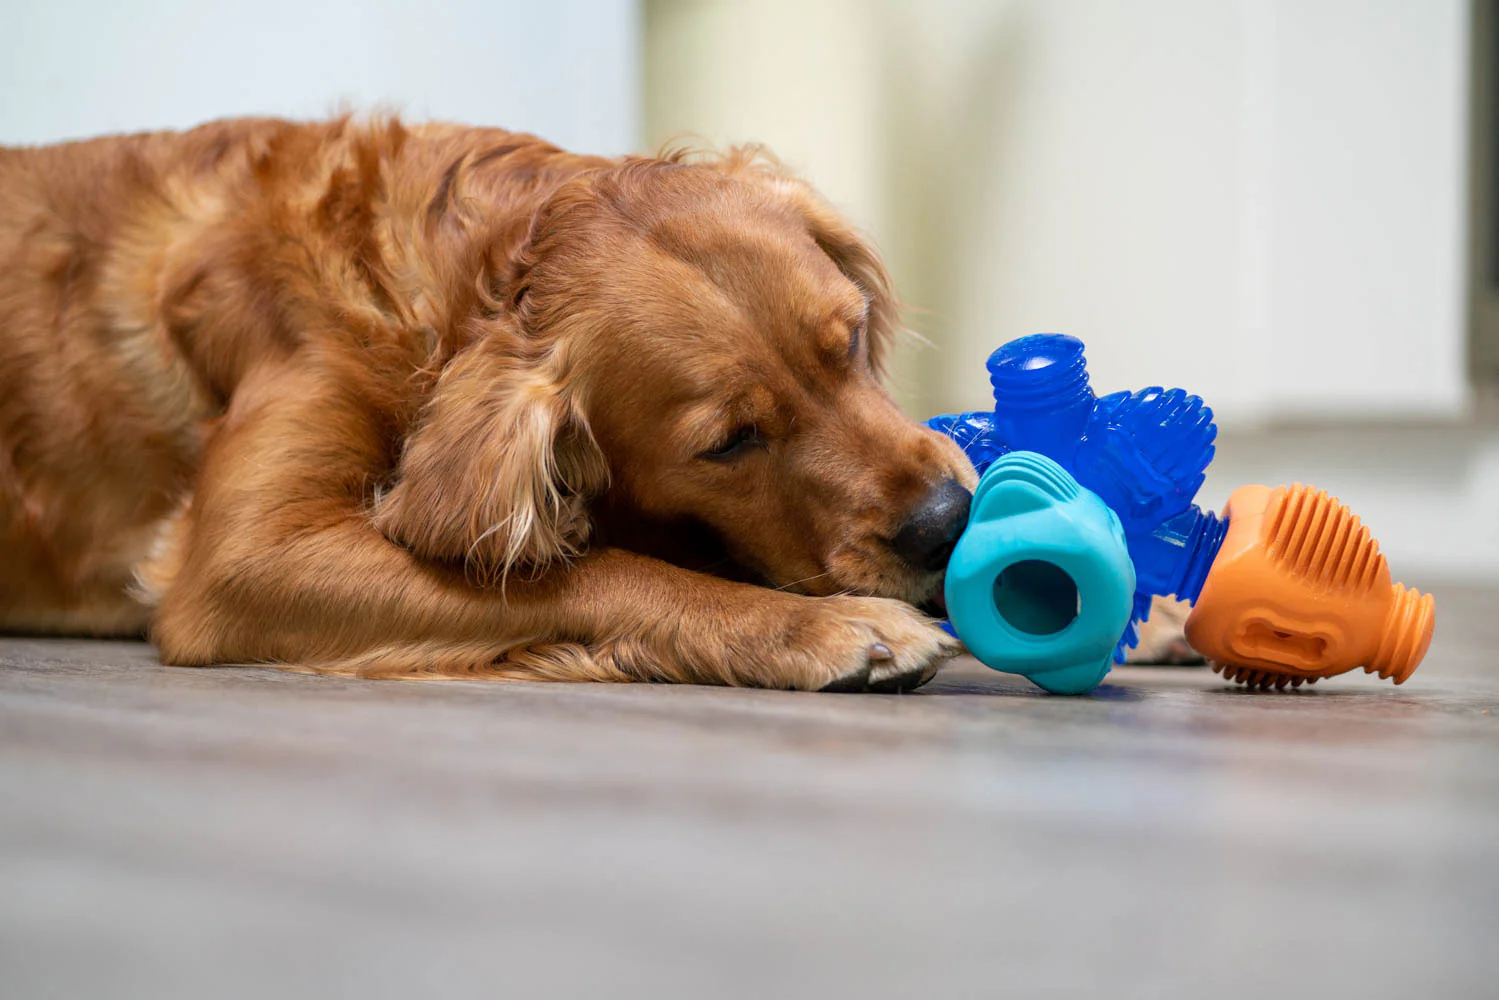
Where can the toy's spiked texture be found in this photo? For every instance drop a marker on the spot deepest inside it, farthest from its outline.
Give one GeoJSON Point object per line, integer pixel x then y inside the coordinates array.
{"type": "Point", "coordinates": [1300, 591]}
{"type": "Point", "coordinates": [1143, 453]}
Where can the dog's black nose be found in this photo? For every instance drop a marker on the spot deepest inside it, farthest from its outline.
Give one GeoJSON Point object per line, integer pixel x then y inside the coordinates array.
{"type": "Point", "coordinates": [927, 539]}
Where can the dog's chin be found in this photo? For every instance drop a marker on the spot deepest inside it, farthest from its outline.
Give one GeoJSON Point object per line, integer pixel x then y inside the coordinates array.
{"type": "Point", "coordinates": [869, 569]}
{"type": "Point", "coordinates": [857, 575]}
{"type": "Point", "coordinates": [936, 605]}
{"type": "Point", "coordinates": [927, 595]}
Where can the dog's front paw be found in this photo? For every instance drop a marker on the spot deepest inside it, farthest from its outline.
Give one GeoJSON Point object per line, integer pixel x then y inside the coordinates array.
{"type": "Point", "coordinates": [863, 644]}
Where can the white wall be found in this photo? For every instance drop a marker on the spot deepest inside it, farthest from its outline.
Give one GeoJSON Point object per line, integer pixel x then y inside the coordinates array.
{"type": "Point", "coordinates": [791, 72]}
{"type": "Point", "coordinates": [1261, 200]}
{"type": "Point", "coordinates": [567, 69]}
{"type": "Point", "coordinates": [1366, 197]}
{"type": "Point", "coordinates": [1427, 492]}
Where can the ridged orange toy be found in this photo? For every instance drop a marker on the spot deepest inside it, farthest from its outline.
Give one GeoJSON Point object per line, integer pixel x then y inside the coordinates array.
{"type": "Point", "coordinates": [1300, 591]}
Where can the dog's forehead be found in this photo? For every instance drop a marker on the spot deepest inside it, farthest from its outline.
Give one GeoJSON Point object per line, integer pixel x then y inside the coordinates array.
{"type": "Point", "coordinates": [746, 279]}
{"type": "Point", "coordinates": [752, 244]}
{"type": "Point", "coordinates": [751, 310]}
{"type": "Point", "coordinates": [727, 288]}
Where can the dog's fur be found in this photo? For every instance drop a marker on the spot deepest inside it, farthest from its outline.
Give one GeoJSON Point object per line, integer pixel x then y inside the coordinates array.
{"type": "Point", "coordinates": [367, 398]}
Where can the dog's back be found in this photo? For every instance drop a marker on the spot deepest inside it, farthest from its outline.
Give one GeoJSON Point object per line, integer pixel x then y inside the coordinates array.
{"type": "Point", "coordinates": [99, 412]}
{"type": "Point", "coordinates": [143, 274]}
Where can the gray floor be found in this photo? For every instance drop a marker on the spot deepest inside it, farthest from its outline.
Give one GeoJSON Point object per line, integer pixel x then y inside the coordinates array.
{"type": "Point", "coordinates": [243, 832]}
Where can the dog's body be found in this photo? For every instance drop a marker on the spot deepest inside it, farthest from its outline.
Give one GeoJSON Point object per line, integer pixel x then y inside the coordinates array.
{"type": "Point", "coordinates": [435, 400]}
{"type": "Point", "coordinates": [351, 397]}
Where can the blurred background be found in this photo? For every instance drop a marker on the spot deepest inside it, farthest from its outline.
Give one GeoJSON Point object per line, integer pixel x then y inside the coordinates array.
{"type": "Point", "coordinates": [1286, 207]}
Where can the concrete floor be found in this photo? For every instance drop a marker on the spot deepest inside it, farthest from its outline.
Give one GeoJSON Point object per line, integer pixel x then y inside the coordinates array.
{"type": "Point", "coordinates": [244, 832]}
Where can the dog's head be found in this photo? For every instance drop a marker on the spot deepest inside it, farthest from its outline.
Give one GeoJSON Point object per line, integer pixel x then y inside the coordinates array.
{"type": "Point", "coordinates": [686, 351]}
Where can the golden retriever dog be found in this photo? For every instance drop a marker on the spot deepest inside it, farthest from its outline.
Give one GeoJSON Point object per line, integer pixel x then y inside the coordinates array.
{"type": "Point", "coordinates": [426, 400]}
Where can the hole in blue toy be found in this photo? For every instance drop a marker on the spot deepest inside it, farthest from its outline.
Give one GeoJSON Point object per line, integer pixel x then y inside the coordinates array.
{"type": "Point", "coordinates": [1036, 597]}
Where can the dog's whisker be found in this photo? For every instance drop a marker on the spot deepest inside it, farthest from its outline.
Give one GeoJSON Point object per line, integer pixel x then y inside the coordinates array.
{"type": "Point", "coordinates": [922, 339]}
{"type": "Point", "coordinates": [809, 579]}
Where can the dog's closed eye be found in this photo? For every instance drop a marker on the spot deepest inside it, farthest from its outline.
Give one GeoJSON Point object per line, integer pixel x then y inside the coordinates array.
{"type": "Point", "coordinates": [739, 441]}
{"type": "Point", "coordinates": [856, 338]}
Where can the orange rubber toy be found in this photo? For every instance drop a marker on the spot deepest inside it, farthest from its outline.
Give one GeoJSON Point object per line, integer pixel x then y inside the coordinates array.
{"type": "Point", "coordinates": [1300, 591]}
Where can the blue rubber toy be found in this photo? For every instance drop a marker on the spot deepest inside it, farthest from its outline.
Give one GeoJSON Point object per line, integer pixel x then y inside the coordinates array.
{"type": "Point", "coordinates": [1143, 453]}
{"type": "Point", "coordinates": [1041, 581]}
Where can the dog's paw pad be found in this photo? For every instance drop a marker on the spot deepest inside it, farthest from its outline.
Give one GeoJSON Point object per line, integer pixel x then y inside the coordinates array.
{"type": "Point", "coordinates": [909, 680]}
{"type": "Point", "coordinates": [851, 683]}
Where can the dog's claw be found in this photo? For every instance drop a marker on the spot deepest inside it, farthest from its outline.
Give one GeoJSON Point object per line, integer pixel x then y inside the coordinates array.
{"type": "Point", "coordinates": [879, 653]}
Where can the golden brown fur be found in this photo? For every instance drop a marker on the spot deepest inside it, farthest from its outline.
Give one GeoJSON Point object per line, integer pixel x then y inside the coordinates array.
{"type": "Point", "coordinates": [433, 400]}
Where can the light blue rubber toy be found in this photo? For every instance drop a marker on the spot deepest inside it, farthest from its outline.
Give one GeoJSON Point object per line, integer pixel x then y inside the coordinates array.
{"type": "Point", "coordinates": [1041, 583]}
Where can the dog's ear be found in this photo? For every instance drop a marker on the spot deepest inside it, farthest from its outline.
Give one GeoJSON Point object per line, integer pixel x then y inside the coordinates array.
{"type": "Point", "coordinates": [860, 262]}
{"type": "Point", "coordinates": [854, 255]}
{"type": "Point", "coordinates": [499, 470]}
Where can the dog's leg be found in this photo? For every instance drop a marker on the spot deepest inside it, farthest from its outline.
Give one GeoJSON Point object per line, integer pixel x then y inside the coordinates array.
{"type": "Point", "coordinates": [281, 564]}
{"type": "Point", "coordinates": [339, 598]}
{"type": "Point", "coordinates": [611, 616]}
